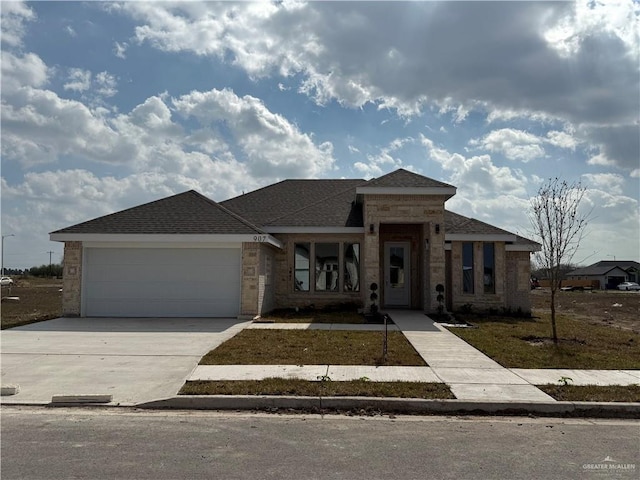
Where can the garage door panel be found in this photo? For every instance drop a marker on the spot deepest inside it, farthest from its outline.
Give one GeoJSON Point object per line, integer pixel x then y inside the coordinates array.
{"type": "Point", "coordinates": [162, 282]}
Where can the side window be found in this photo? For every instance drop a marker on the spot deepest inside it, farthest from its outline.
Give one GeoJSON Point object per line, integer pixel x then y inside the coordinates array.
{"type": "Point", "coordinates": [488, 255]}
{"type": "Point", "coordinates": [301, 266]}
{"type": "Point", "coordinates": [467, 267]}
{"type": "Point", "coordinates": [327, 267]}
{"type": "Point", "coordinates": [351, 267]}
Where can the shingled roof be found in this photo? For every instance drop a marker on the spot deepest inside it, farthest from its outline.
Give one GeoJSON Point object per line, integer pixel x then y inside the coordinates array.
{"type": "Point", "coordinates": [405, 178]}
{"type": "Point", "coordinates": [290, 203]}
{"type": "Point", "coordinates": [286, 201]}
{"type": "Point", "coordinates": [604, 266]}
{"type": "Point", "coordinates": [185, 213]}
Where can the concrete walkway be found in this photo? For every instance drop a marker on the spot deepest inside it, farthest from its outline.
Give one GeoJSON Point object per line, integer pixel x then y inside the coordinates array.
{"type": "Point", "coordinates": [469, 373]}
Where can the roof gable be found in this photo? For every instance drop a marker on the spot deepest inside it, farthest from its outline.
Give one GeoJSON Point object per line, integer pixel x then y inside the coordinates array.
{"type": "Point", "coordinates": [402, 178]}
{"type": "Point", "coordinates": [185, 213]}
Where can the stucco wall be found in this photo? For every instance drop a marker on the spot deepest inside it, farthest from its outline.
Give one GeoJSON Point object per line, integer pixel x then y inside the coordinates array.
{"type": "Point", "coordinates": [72, 279]}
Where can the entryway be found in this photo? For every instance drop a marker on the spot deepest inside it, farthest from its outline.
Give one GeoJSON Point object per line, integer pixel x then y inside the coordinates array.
{"type": "Point", "coordinates": [397, 274]}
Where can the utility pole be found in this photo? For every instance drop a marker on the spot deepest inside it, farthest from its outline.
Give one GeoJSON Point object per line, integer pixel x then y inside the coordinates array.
{"type": "Point", "coordinates": [2, 251]}
{"type": "Point", "coordinates": [50, 253]}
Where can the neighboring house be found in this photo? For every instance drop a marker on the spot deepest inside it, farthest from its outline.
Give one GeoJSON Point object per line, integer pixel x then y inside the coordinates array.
{"type": "Point", "coordinates": [608, 273]}
{"type": "Point", "coordinates": [295, 243]}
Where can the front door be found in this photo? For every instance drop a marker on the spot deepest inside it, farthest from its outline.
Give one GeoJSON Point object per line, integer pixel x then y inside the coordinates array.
{"type": "Point", "coordinates": [397, 274]}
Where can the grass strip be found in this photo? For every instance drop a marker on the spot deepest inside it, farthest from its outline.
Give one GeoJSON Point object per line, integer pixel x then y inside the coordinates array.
{"type": "Point", "coordinates": [291, 316]}
{"type": "Point", "coordinates": [283, 386]}
{"type": "Point", "coordinates": [526, 343]}
{"type": "Point", "coordinates": [313, 347]}
{"type": "Point", "coordinates": [593, 393]}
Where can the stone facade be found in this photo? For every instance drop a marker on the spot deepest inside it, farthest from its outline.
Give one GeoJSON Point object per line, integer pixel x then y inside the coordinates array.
{"type": "Point", "coordinates": [257, 291]}
{"type": "Point", "coordinates": [426, 211]}
{"type": "Point", "coordinates": [72, 280]}
{"type": "Point", "coordinates": [518, 277]}
{"type": "Point", "coordinates": [511, 279]}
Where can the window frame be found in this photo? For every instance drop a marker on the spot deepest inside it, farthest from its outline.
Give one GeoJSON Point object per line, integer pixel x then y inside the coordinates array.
{"type": "Point", "coordinates": [468, 276]}
{"type": "Point", "coordinates": [489, 288]}
{"type": "Point", "coordinates": [341, 286]}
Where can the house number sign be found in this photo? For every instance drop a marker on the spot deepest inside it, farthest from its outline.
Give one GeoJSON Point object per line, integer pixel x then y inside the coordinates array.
{"type": "Point", "coordinates": [260, 238]}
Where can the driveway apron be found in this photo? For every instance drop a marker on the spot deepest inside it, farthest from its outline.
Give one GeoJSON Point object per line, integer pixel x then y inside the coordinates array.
{"type": "Point", "coordinates": [133, 359]}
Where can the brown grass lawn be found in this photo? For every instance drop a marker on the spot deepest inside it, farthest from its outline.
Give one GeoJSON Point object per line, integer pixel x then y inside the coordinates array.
{"type": "Point", "coordinates": [519, 343]}
{"type": "Point", "coordinates": [312, 347]}
{"type": "Point", "coordinates": [40, 299]}
{"type": "Point", "coordinates": [313, 316]}
{"type": "Point", "coordinates": [592, 393]}
{"type": "Point", "coordinates": [281, 386]}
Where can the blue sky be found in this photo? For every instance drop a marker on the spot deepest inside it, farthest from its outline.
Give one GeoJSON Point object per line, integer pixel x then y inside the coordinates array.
{"type": "Point", "coordinates": [109, 105]}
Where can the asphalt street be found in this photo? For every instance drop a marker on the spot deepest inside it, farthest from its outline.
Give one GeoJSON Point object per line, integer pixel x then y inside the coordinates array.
{"type": "Point", "coordinates": [45, 443]}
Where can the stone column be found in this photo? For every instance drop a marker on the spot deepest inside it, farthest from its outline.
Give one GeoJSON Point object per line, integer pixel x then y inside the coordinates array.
{"type": "Point", "coordinates": [72, 279]}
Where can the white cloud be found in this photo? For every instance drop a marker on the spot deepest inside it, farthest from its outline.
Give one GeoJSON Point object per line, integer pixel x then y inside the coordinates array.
{"type": "Point", "coordinates": [69, 29]}
{"type": "Point", "coordinates": [561, 140]}
{"type": "Point", "coordinates": [25, 71]}
{"type": "Point", "coordinates": [106, 84]}
{"type": "Point", "coordinates": [508, 63]}
{"type": "Point", "coordinates": [513, 144]}
{"type": "Point", "coordinates": [273, 147]}
{"type": "Point", "coordinates": [120, 49]}
{"type": "Point", "coordinates": [79, 80]}
{"type": "Point", "coordinates": [612, 183]}
{"type": "Point", "coordinates": [13, 17]}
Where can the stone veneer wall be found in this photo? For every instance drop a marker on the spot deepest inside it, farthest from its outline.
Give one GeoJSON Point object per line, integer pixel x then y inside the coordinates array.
{"type": "Point", "coordinates": [283, 268]}
{"type": "Point", "coordinates": [478, 299]}
{"type": "Point", "coordinates": [427, 210]}
{"type": "Point", "coordinates": [518, 265]}
{"type": "Point", "coordinates": [72, 279]}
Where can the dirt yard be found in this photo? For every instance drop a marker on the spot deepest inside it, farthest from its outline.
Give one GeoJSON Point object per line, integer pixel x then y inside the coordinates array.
{"type": "Point", "coordinates": [40, 299]}
{"type": "Point", "coordinates": [608, 307]}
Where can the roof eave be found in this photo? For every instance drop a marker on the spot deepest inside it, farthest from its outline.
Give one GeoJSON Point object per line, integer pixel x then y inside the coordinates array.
{"type": "Point", "coordinates": [447, 192]}
{"type": "Point", "coordinates": [193, 238]}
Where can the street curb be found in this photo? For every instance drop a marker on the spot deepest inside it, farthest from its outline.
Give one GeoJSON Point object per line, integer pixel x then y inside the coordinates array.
{"type": "Point", "coordinates": [399, 405]}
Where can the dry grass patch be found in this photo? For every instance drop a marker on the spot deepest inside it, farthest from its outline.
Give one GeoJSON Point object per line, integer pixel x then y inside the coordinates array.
{"type": "Point", "coordinates": [313, 316]}
{"type": "Point", "coordinates": [312, 347]}
{"type": "Point", "coordinates": [593, 393]}
{"type": "Point", "coordinates": [281, 386]}
{"type": "Point", "coordinates": [40, 299]}
{"type": "Point", "coordinates": [517, 343]}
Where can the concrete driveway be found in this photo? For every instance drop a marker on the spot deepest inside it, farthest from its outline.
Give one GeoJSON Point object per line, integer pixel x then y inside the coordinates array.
{"type": "Point", "coordinates": [134, 359]}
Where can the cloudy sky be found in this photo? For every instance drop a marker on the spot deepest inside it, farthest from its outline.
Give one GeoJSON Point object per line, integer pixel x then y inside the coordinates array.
{"type": "Point", "coordinates": [109, 105]}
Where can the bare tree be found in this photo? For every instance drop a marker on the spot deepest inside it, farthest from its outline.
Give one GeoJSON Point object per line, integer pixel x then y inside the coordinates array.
{"type": "Point", "coordinates": [559, 227]}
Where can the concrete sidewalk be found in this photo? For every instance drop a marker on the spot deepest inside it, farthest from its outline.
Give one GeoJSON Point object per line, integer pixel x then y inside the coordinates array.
{"type": "Point", "coordinates": [469, 373]}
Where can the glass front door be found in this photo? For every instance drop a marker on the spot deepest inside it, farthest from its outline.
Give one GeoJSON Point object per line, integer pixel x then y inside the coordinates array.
{"type": "Point", "coordinates": [397, 274]}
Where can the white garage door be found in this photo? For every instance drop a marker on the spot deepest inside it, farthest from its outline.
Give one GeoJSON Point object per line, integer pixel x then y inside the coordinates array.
{"type": "Point", "coordinates": [161, 282]}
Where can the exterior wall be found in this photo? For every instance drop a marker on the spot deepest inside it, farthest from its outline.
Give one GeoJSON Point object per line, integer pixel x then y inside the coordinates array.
{"type": "Point", "coordinates": [285, 296]}
{"type": "Point", "coordinates": [72, 279]}
{"type": "Point", "coordinates": [266, 284]}
{"type": "Point", "coordinates": [425, 210]}
{"type": "Point", "coordinates": [511, 276]}
{"type": "Point", "coordinates": [518, 266]}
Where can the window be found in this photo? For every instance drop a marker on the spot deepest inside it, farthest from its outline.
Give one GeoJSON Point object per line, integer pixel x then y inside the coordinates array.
{"type": "Point", "coordinates": [467, 267]}
{"type": "Point", "coordinates": [327, 267]}
{"type": "Point", "coordinates": [326, 260]}
{"type": "Point", "coordinates": [301, 266]}
{"type": "Point", "coordinates": [351, 267]}
{"type": "Point", "coordinates": [488, 255]}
